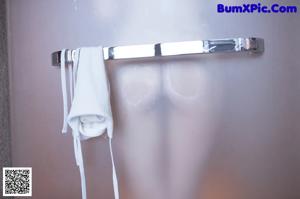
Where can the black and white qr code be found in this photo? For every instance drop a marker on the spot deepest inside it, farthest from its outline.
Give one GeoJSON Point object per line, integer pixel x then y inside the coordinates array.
{"type": "Point", "coordinates": [17, 181]}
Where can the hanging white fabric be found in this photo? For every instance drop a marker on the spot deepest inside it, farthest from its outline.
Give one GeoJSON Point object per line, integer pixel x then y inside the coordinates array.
{"type": "Point", "coordinates": [90, 113]}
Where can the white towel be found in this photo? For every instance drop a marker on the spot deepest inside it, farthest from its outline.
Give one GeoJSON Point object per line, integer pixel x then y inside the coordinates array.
{"type": "Point", "coordinates": [90, 113]}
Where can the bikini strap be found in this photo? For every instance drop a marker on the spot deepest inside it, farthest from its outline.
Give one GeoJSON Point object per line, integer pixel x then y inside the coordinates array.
{"type": "Point", "coordinates": [114, 175]}
{"type": "Point", "coordinates": [64, 90]}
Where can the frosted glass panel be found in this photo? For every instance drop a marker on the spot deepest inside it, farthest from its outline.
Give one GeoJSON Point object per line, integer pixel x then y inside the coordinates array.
{"type": "Point", "coordinates": [197, 126]}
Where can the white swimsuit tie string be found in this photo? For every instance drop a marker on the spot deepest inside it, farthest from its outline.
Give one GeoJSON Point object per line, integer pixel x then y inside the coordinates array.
{"type": "Point", "coordinates": [64, 90]}
{"type": "Point", "coordinates": [114, 174]}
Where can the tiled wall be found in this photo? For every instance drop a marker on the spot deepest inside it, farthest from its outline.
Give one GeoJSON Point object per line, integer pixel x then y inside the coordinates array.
{"type": "Point", "coordinates": [5, 159]}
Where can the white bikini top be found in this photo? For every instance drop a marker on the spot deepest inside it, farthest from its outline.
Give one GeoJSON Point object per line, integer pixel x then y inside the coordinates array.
{"type": "Point", "coordinates": [87, 121]}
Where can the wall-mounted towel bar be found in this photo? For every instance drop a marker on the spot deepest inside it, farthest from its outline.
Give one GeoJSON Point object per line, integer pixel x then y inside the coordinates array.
{"type": "Point", "coordinates": [251, 44]}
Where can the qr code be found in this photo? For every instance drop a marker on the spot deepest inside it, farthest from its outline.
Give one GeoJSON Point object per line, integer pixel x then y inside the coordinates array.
{"type": "Point", "coordinates": [17, 181]}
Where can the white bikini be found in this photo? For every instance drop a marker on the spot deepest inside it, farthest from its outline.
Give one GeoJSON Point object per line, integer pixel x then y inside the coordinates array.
{"type": "Point", "coordinates": [90, 113]}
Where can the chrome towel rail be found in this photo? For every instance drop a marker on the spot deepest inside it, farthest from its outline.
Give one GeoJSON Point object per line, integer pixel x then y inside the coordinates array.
{"type": "Point", "coordinates": [251, 44]}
